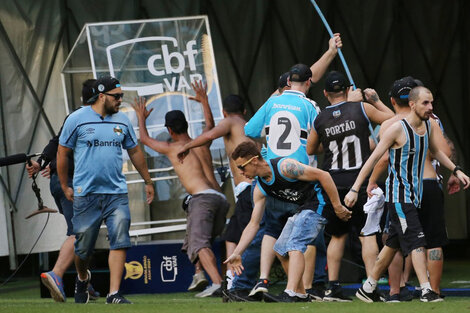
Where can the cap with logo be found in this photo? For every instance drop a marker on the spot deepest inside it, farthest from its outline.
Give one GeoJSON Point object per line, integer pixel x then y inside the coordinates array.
{"type": "Point", "coordinates": [300, 73]}
{"type": "Point", "coordinates": [175, 117]}
{"type": "Point", "coordinates": [336, 82]}
{"type": "Point", "coordinates": [102, 85]}
{"type": "Point", "coordinates": [402, 87]}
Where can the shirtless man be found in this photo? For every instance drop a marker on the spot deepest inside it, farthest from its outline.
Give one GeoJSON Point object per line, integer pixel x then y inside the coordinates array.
{"type": "Point", "coordinates": [208, 207]}
{"type": "Point", "coordinates": [231, 128]}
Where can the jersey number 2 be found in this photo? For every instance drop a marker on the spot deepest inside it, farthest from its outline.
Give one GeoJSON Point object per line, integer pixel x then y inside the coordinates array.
{"type": "Point", "coordinates": [282, 144]}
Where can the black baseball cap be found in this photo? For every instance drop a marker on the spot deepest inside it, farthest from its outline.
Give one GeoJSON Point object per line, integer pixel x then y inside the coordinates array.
{"type": "Point", "coordinates": [336, 82]}
{"type": "Point", "coordinates": [402, 87]}
{"type": "Point", "coordinates": [87, 89]}
{"type": "Point", "coordinates": [300, 73]}
{"type": "Point", "coordinates": [175, 117]}
{"type": "Point", "coordinates": [102, 85]}
{"type": "Point", "coordinates": [283, 80]}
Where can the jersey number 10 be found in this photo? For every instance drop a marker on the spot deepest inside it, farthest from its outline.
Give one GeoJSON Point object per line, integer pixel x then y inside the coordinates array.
{"type": "Point", "coordinates": [350, 159]}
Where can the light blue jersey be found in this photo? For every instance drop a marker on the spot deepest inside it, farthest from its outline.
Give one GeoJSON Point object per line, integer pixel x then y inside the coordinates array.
{"type": "Point", "coordinates": [97, 145]}
{"type": "Point", "coordinates": [287, 120]}
{"type": "Point", "coordinates": [406, 166]}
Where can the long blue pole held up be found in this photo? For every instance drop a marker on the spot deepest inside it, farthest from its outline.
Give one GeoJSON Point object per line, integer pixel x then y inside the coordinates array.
{"type": "Point", "coordinates": [341, 56]}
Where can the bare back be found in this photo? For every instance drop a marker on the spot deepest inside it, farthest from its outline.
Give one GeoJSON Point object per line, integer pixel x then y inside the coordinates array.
{"type": "Point", "coordinates": [191, 173]}
{"type": "Point", "coordinates": [232, 139]}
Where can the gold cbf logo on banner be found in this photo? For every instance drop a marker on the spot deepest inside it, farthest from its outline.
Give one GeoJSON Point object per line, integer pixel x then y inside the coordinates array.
{"type": "Point", "coordinates": [134, 270]}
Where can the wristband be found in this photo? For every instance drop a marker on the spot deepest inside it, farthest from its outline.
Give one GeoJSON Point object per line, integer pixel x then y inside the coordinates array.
{"type": "Point", "coordinates": [148, 181]}
{"type": "Point", "coordinates": [457, 168]}
{"type": "Point", "coordinates": [353, 190]}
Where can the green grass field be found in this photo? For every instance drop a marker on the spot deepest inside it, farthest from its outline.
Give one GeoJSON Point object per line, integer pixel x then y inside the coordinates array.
{"type": "Point", "coordinates": [23, 296]}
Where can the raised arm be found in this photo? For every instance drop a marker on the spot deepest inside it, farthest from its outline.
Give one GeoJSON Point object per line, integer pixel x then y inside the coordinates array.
{"type": "Point", "coordinates": [201, 96]}
{"type": "Point", "coordinates": [249, 233]}
{"type": "Point", "coordinates": [319, 68]}
{"type": "Point", "coordinates": [137, 158]}
{"type": "Point", "coordinates": [375, 109]}
{"type": "Point", "coordinates": [142, 114]}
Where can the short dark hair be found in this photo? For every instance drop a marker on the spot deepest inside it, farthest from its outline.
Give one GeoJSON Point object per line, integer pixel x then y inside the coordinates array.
{"type": "Point", "coordinates": [176, 121]}
{"type": "Point", "coordinates": [234, 104]}
{"type": "Point", "coordinates": [415, 92]}
{"type": "Point", "coordinates": [87, 89]}
{"type": "Point", "coordinates": [300, 73]}
{"type": "Point", "coordinates": [246, 149]}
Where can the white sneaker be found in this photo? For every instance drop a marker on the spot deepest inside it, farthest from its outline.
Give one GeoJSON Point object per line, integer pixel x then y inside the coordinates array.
{"type": "Point", "coordinates": [213, 290]}
{"type": "Point", "coordinates": [199, 282]}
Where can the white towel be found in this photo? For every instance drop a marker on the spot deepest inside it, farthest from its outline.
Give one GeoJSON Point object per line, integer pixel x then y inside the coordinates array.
{"type": "Point", "coordinates": [374, 209]}
{"type": "Point", "coordinates": [376, 202]}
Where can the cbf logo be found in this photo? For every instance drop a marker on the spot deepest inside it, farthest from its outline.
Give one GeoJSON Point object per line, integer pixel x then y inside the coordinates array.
{"type": "Point", "coordinates": [169, 269]}
{"type": "Point", "coordinates": [166, 66]}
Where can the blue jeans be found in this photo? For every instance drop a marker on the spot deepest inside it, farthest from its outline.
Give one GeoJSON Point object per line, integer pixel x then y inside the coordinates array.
{"type": "Point", "coordinates": [300, 230]}
{"type": "Point", "coordinates": [90, 211]}
{"type": "Point", "coordinates": [65, 206]}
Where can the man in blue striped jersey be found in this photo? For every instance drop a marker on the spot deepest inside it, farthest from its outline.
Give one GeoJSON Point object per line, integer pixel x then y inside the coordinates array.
{"type": "Point", "coordinates": [407, 141]}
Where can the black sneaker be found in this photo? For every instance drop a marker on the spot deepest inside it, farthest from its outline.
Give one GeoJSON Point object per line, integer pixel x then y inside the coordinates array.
{"type": "Point", "coordinates": [305, 298]}
{"type": "Point", "coordinates": [405, 294]}
{"type": "Point", "coordinates": [117, 298]}
{"type": "Point", "coordinates": [430, 296]}
{"type": "Point", "coordinates": [81, 290]}
{"type": "Point", "coordinates": [94, 295]}
{"type": "Point", "coordinates": [317, 292]}
{"type": "Point", "coordinates": [261, 286]}
{"type": "Point", "coordinates": [369, 297]}
{"type": "Point", "coordinates": [242, 296]}
{"type": "Point", "coordinates": [282, 297]}
{"type": "Point", "coordinates": [393, 298]}
{"type": "Point", "coordinates": [335, 294]}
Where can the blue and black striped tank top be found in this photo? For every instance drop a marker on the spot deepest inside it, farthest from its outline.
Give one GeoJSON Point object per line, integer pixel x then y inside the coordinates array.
{"type": "Point", "coordinates": [406, 166]}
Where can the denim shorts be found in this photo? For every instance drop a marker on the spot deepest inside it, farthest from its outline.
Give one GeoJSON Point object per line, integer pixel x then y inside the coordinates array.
{"type": "Point", "coordinates": [277, 212]}
{"type": "Point", "coordinates": [90, 211]}
{"type": "Point", "coordinates": [300, 230]}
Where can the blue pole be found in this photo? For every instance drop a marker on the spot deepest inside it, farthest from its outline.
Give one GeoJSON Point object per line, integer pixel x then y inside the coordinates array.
{"type": "Point", "coordinates": [340, 53]}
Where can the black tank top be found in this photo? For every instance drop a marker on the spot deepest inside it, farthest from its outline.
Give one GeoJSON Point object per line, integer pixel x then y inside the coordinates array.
{"type": "Point", "coordinates": [343, 131]}
{"type": "Point", "coordinates": [285, 189]}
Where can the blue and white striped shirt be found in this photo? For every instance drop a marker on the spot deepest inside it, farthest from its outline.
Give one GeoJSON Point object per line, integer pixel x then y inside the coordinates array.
{"type": "Point", "coordinates": [406, 167]}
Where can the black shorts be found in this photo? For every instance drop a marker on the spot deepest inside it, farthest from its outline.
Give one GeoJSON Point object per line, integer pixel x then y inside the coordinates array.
{"type": "Point", "coordinates": [431, 214]}
{"type": "Point", "coordinates": [405, 231]}
{"type": "Point", "coordinates": [240, 218]}
{"type": "Point", "coordinates": [337, 227]}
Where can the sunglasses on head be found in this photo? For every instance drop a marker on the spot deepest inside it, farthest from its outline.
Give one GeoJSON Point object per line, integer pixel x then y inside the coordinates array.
{"type": "Point", "coordinates": [242, 167]}
{"type": "Point", "coordinates": [116, 96]}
